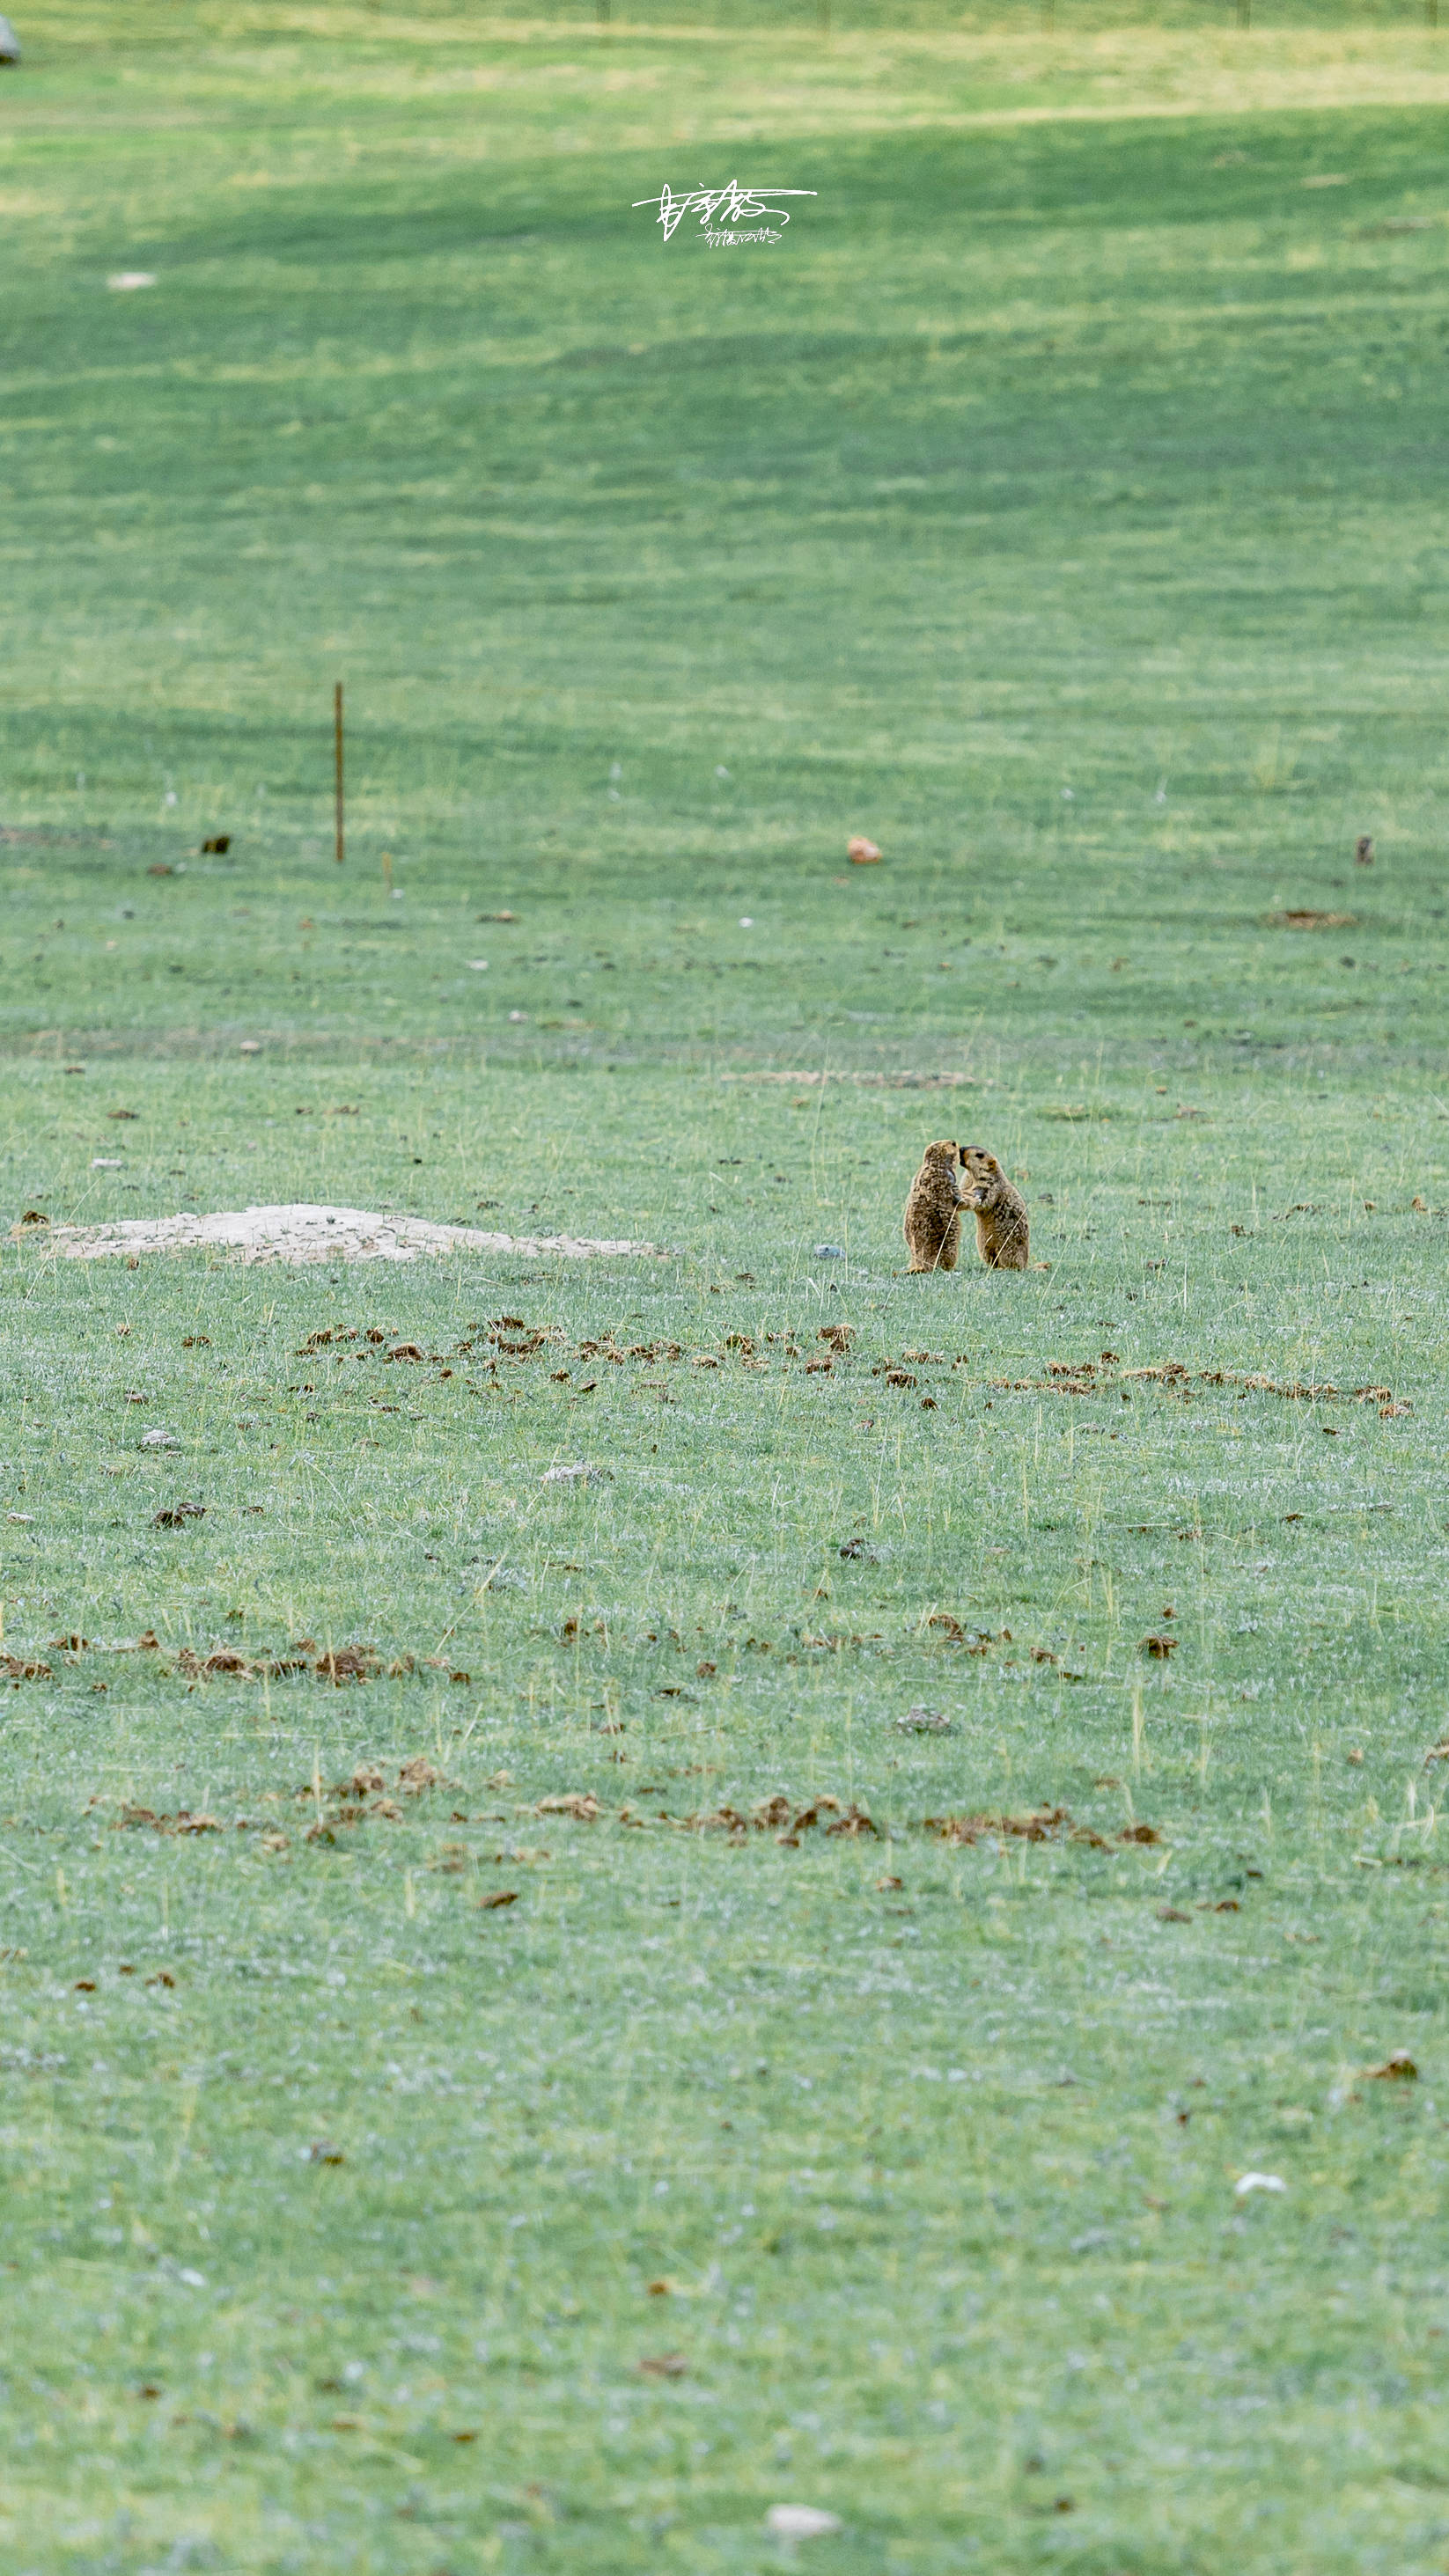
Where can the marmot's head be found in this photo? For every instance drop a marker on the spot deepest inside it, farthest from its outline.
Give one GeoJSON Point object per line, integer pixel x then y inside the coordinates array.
{"type": "Point", "coordinates": [944, 1159]}
{"type": "Point", "coordinates": [980, 1171]}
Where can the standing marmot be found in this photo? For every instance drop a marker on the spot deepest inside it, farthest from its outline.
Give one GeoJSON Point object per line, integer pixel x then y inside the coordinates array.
{"type": "Point", "coordinates": [933, 1211]}
{"type": "Point", "coordinates": [1002, 1231]}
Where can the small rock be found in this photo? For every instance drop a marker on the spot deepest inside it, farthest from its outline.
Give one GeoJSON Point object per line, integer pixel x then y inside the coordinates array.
{"type": "Point", "coordinates": [801, 2522]}
{"type": "Point", "coordinates": [578, 1474]}
{"type": "Point", "coordinates": [924, 1721]}
{"type": "Point", "coordinates": [830, 1252]}
{"type": "Point", "coordinates": [1248, 2183]}
{"type": "Point", "coordinates": [158, 1440]}
{"type": "Point", "coordinates": [9, 43]}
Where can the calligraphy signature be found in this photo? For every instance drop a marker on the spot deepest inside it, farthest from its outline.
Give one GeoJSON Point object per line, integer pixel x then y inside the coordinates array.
{"type": "Point", "coordinates": [735, 204]}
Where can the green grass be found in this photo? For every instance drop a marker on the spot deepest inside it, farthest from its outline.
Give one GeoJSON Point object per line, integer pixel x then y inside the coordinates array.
{"type": "Point", "coordinates": [1071, 441]}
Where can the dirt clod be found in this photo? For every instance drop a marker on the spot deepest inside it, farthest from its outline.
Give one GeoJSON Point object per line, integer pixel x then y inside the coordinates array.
{"type": "Point", "coordinates": [417, 1775]}
{"type": "Point", "coordinates": [348, 1664]}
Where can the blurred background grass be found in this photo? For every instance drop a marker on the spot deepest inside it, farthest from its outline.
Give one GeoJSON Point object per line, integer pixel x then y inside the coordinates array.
{"type": "Point", "coordinates": [1058, 503]}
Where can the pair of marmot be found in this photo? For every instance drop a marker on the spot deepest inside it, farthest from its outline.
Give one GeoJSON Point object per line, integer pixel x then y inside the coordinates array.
{"type": "Point", "coordinates": [953, 1177]}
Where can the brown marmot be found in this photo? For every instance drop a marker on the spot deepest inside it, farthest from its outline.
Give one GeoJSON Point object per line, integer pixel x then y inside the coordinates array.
{"type": "Point", "coordinates": [1002, 1230]}
{"type": "Point", "coordinates": [933, 1211]}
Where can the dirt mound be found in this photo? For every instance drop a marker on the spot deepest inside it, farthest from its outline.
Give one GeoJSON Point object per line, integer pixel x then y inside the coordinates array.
{"type": "Point", "coordinates": [304, 1233]}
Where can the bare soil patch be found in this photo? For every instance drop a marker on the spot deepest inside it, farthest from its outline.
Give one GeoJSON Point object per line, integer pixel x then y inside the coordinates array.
{"type": "Point", "coordinates": [302, 1232]}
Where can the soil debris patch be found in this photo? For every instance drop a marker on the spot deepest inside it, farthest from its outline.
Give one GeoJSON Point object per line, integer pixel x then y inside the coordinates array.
{"type": "Point", "coordinates": [1035, 1825]}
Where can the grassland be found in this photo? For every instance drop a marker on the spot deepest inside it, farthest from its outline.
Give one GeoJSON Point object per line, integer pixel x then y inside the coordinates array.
{"type": "Point", "coordinates": [1061, 504]}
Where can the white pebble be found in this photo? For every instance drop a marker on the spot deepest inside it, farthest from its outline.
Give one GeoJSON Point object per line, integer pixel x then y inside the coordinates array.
{"type": "Point", "coordinates": [801, 2522]}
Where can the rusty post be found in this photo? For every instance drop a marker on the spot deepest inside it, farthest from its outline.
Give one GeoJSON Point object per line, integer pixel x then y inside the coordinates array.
{"type": "Point", "coordinates": [337, 742]}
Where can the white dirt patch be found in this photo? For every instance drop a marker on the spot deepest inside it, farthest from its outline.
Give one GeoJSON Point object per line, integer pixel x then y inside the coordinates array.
{"type": "Point", "coordinates": [305, 1233]}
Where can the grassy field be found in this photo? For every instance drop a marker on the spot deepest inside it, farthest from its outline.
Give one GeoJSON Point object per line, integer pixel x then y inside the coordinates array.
{"type": "Point", "coordinates": [838, 2110]}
